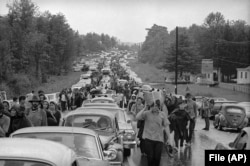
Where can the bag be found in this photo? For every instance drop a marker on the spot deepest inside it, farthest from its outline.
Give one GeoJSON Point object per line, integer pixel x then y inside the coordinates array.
{"type": "Point", "coordinates": [149, 98]}
{"type": "Point", "coordinates": [140, 124]}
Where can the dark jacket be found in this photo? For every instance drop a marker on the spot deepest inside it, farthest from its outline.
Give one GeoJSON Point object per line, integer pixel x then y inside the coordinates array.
{"type": "Point", "coordinates": [19, 123]}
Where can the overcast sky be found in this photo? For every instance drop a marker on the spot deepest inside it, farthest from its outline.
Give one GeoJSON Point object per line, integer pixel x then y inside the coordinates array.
{"type": "Point", "coordinates": [127, 19]}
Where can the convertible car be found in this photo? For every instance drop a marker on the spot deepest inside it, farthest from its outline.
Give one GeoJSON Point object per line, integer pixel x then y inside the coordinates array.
{"type": "Point", "coordinates": [85, 142]}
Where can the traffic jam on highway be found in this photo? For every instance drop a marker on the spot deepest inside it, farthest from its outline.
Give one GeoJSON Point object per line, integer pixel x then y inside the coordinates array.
{"type": "Point", "coordinates": [110, 117]}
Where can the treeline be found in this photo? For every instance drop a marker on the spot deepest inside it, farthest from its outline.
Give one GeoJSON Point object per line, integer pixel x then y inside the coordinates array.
{"type": "Point", "coordinates": [34, 45]}
{"type": "Point", "coordinates": [226, 42]}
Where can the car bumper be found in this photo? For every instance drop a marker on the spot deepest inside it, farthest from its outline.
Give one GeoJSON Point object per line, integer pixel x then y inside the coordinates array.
{"type": "Point", "coordinates": [129, 144]}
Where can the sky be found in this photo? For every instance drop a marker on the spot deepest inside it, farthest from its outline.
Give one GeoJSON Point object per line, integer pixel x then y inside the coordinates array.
{"type": "Point", "coordinates": [128, 19]}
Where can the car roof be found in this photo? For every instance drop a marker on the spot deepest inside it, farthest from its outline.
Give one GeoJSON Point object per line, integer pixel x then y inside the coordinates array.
{"type": "Point", "coordinates": [86, 111]}
{"type": "Point", "coordinates": [55, 129]}
{"type": "Point", "coordinates": [36, 150]}
{"type": "Point", "coordinates": [232, 105]}
{"type": "Point", "coordinates": [244, 103]}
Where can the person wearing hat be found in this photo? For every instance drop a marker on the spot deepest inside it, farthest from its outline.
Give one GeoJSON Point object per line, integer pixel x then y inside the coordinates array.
{"type": "Point", "coordinates": [37, 116]}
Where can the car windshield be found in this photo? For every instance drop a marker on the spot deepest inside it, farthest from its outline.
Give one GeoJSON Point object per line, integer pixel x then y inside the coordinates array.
{"type": "Point", "coordinates": [13, 162]}
{"type": "Point", "coordinates": [84, 145]}
{"type": "Point", "coordinates": [102, 101]}
{"type": "Point", "coordinates": [95, 122]}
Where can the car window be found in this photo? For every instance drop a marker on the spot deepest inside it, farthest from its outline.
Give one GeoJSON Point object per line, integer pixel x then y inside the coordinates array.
{"type": "Point", "coordinates": [95, 122]}
{"type": "Point", "coordinates": [83, 144]}
{"type": "Point", "coordinates": [13, 162]}
{"type": "Point", "coordinates": [242, 141]}
{"type": "Point", "coordinates": [234, 110]}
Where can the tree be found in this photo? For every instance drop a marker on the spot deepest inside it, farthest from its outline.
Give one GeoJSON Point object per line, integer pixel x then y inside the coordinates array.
{"type": "Point", "coordinates": [153, 47]}
{"type": "Point", "coordinates": [188, 58]}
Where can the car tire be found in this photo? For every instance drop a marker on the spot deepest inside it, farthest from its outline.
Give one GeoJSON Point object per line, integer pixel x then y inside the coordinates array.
{"type": "Point", "coordinates": [127, 152]}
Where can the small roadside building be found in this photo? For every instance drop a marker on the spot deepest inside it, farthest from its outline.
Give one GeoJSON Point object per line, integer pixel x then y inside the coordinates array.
{"type": "Point", "coordinates": [243, 75]}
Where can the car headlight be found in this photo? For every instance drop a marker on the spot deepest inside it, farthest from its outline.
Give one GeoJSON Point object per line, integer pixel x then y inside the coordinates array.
{"type": "Point", "coordinates": [110, 154]}
{"type": "Point", "coordinates": [129, 137]}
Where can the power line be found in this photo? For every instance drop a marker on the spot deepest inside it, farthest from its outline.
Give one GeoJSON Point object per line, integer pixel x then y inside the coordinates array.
{"type": "Point", "coordinates": [232, 61]}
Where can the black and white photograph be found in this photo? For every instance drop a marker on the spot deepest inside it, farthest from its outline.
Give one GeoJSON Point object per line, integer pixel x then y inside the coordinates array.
{"type": "Point", "coordinates": [124, 82]}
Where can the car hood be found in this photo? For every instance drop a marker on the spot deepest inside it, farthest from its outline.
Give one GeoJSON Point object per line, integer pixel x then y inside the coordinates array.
{"type": "Point", "coordinates": [93, 162]}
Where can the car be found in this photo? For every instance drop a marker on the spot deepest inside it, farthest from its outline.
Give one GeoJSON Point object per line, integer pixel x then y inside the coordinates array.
{"type": "Point", "coordinates": [53, 97]}
{"type": "Point", "coordinates": [103, 122]}
{"type": "Point", "coordinates": [85, 76]}
{"type": "Point", "coordinates": [124, 122]}
{"type": "Point", "coordinates": [29, 152]}
{"type": "Point", "coordinates": [241, 142]}
{"type": "Point", "coordinates": [231, 116]}
{"type": "Point", "coordinates": [85, 142]}
{"type": "Point", "coordinates": [218, 99]}
{"type": "Point", "coordinates": [218, 107]}
{"type": "Point", "coordinates": [246, 105]}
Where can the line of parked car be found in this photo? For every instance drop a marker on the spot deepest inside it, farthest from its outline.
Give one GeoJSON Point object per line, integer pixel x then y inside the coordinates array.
{"type": "Point", "coordinates": [98, 133]}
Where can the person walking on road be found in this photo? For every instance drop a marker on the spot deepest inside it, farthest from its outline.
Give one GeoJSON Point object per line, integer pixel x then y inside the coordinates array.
{"type": "Point", "coordinates": [155, 123]}
{"type": "Point", "coordinates": [37, 116]}
{"type": "Point", "coordinates": [207, 106]}
{"type": "Point", "coordinates": [192, 111]}
{"type": "Point", "coordinates": [136, 108]}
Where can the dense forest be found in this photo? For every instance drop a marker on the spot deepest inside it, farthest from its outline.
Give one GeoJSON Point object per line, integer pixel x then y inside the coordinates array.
{"type": "Point", "coordinates": [34, 45]}
{"type": "Point", "coordinates": [226, 42]}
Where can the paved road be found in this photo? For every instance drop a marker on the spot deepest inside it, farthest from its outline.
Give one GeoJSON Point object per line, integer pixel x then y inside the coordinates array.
{"type": "Point", "coordinates": [188, 156]}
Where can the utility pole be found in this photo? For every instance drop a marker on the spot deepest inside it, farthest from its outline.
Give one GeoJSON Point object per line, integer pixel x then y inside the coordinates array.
{"type": "Point", "coordinates": [176, 61]}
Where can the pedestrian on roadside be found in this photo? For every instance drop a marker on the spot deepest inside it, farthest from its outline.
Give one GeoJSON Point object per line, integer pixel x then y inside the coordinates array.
{"type": "Point", "coordinates": [15, 101]}
{"type": "Point", "coordinates": [156, 123]}
{"type": "Point", "coordinates": [6, 107]}
{"type": "Point", "coordinates": [63, 100]}
{"type": "Point", "coordinates": [69, 98]}
{"type": "Point", "coordinates": [18, 119]}
{"type": "Point", "coordinates": [37, 115]}
{"type": "Point", "coordinates": [131, 102]}
{"type": "Point", "coordinates": [4, 123]}
{"type": "Point", "coordinates": [207, 108]}
{"type": "Point", "coordinates": [192, 111]}
{"type": "Point", "coordinates": [136, 108]}
{"type": "Point", "coordinates": [181, 123]}
{"type": "Point", "coordinates": [53, 107]}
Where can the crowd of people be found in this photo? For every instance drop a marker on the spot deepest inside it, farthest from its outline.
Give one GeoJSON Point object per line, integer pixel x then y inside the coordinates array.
{"type": "Point", "coordinates": [154, 123]}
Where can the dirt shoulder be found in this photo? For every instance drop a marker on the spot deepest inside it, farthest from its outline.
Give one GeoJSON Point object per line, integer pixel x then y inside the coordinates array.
{"type": "Point", "coordinates": [151, 75]}
{"type": "Point", "coordinates": [57, 83]}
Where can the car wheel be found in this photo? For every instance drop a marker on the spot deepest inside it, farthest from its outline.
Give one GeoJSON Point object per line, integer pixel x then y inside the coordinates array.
{"type": "Point", "coordinates": [127, 152]}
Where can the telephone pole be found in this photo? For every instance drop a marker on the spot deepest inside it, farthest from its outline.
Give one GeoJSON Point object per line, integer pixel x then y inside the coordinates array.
{"type": "Point", "coordinates": [176, 62]}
